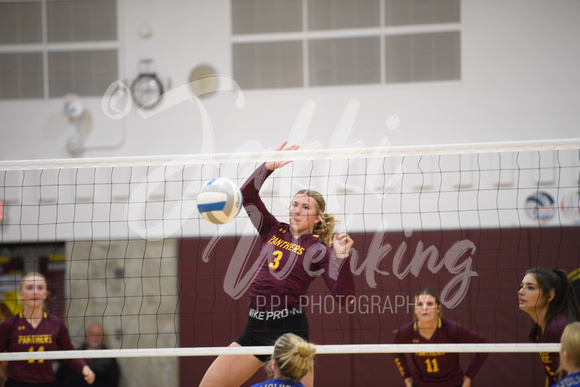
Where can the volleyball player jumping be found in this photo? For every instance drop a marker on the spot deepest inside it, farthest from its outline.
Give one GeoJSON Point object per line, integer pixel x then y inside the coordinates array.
{"type": "Point", "coordinates": [292, 255]}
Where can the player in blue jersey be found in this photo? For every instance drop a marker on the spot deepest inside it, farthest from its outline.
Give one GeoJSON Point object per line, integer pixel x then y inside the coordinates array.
{"type": "Point", "coordinates": [291, 256]}
{"type": "Point", "coordinates": [570, 356]}
{"type": "Point", "coordinates": [292, 359]}
{"type": "Point", "coordinates": [548, 297]}
{"type": "Point", "coordinates": [34, 330]}
{"type": "Point", "coordinates": [435, 369]}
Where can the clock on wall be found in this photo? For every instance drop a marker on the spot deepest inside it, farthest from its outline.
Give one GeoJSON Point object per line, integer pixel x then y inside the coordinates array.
{"type": "Point", "coordinates": [147, 89]}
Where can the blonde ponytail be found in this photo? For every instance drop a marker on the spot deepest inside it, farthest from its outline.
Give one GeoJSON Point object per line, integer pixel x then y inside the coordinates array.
{"type": "Point", "coordinates": [571, 345]}
{"type": "Point", "coordinates": [293, 356]}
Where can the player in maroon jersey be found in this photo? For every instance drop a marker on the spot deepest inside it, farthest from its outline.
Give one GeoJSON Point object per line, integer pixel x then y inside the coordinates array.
{"type": "Point", "coordinates": [34, 330]}
{"type": "Point", "coordinates": [291, 256]}
{"type": "Point", "coordinates": [435, 368]}
{"type": "Point", "coordinates": [548, 297]}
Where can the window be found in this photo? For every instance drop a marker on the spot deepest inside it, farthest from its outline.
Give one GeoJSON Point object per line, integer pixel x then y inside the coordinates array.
{"type": "Point", "coordinates": [341, 14]}
{"type": "Point", "coordinates": [422, 57]}
{"type": "Point", "coordinates": [49, 48]}
{"type": "Point", "coordinates": [20, 23]}
{"type": "Point", "coordinates": [21, 75]}
{"type": "Point", "coordinates": [413, 12]}
{"type": "Point", "coordinates": [269, 64]}
{"type": "Point", "coordinates": [344, 61]}
{"type": "Point", "coordinates": [264, 16]}
{"type": "Point", "coordinates": [315, 43]}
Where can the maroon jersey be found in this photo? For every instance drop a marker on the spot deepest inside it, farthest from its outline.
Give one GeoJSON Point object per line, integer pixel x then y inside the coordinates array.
{"type": "Point", "coordinates": [438, 368]}
{"type": "Point", "coordinates": [551, 360]}
{"type": "Point", "coordinates": [287, 266]}
{"type": "Point", "coordinates": [17, 335]}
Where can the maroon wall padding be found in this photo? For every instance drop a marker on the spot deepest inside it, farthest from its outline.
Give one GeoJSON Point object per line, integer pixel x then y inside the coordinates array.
{"type": "Point", "coordinates": [210, 317]}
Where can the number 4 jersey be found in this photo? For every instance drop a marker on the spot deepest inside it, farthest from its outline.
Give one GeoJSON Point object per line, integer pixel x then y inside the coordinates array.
{"type": "Point", "coordinates": [438, 368]}
{"type": "Point", "coordinates": [17, 335]}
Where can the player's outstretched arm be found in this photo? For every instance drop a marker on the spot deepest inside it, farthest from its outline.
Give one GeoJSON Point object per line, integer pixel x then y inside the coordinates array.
{"type": "Point", "coordinates": [271, 165]}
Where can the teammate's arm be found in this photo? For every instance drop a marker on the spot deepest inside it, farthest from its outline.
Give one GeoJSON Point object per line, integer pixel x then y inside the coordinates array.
{"type": "Point", "coordinates": [88, 374]}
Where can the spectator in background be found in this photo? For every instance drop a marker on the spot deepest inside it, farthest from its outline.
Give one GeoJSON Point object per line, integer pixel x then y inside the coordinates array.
{"type": "Point", "coordinates": [106, 369]}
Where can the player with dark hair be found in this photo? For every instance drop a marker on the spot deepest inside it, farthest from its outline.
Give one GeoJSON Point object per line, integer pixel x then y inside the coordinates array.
{"type": "Point", "coordinates": [34, 330]}
{"type": "Point", "coordinates": [292, 359]}
{"type": "Point", "coordinates": [435, 368]}
{"type": "Point", "coordinates": [548, 297]}
{"type": "Point", "coordinates": [291, 256]}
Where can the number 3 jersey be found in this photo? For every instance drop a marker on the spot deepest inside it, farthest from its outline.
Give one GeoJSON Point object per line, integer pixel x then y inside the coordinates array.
{"type": "Point", "coordinates": [286, 266]}
{"type": "Point", "coordinates": [17, 335]}
{"type": "Point", "coordinates": [438, 368]}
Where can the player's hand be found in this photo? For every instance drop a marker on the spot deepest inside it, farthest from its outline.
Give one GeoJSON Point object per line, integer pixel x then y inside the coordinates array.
{"type": "Point", "coordinates": [466, 382]}
{"type": "Point", "coordinates": [271, 165]}
{"type": "Point", "coordinates": [408, 382]}
{"type": "Point", "coordinates": [342, 243]}
{"type": "Point", "coordinates": [88, 374]}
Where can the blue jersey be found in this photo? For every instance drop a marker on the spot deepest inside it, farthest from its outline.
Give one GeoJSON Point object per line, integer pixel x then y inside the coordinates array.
{"type": "Point", "coordinates": [279, 383]}
{"type": "Point", "coordinates": [569, 381]}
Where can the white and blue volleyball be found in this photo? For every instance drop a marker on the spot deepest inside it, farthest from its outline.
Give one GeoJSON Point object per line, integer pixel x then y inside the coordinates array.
{"type": "Point", "coordinates": [219, 200]}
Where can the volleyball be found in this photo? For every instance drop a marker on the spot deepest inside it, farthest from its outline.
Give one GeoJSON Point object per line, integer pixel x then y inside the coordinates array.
{"type": "Point", "coordinates": [219, 200]}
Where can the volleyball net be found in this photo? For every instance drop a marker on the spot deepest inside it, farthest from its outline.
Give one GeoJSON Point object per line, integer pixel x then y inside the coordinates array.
{"type": "Point", "coordinates": [121, 242]}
